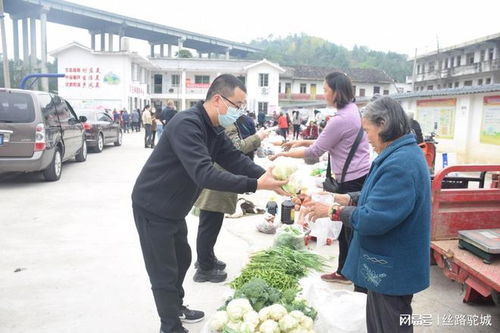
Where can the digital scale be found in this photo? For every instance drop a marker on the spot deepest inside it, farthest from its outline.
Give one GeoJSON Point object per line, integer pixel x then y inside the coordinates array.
{"type": "Point", "coordinates": [484, 243]}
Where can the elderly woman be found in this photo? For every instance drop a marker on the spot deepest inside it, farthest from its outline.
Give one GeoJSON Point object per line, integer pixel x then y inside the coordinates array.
{"type": "Point", "coordinates": [389, 252]}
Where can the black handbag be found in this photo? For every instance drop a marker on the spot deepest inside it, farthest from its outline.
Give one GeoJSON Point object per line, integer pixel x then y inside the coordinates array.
{"type": "Point", "coordinates": [332, 185]}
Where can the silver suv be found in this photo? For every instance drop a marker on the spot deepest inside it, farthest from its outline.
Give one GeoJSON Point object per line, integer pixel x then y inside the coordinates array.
{"type": "Point", "coordinates": [38, 131]}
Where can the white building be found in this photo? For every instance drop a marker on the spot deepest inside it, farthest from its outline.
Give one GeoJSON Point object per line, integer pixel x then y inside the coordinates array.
{"type": "Point", "coordinates": [103, 80]}
{"type": "Point", "coordinates": [473, 63]}
{"type": "Point", "coordinates": [186, 80]}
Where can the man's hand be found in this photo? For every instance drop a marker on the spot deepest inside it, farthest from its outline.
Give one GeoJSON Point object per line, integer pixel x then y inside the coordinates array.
{"type": "Point", "coordinates": [267, 182]}
{"type": "Point", "coordinates": [275, 156]}
{"type": "Point", "coordinates": [262, 134]}
{"type": "Point", "coordinates": [300, 200]}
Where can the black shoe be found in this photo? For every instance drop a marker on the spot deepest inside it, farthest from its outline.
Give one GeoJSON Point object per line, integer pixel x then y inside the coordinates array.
{"type": "Point", "coordinates": [214, 275]}
{"type": "Point", "coordinates": [220, 265]}
{"type": "Point", "coordinates": [190, 316]}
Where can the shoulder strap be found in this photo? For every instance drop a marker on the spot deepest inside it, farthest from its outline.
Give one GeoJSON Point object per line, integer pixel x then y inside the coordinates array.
{"type": "Point", "coordinates": [351, 153]}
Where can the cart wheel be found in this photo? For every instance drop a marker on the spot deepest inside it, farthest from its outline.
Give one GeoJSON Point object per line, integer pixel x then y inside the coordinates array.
{"type": "Point", "coordinates": [460, 246]}
{"type": "Point", "coordinates": [486, 261]}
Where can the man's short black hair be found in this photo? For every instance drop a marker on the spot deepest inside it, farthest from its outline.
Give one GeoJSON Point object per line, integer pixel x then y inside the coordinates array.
{"type": "Point", "coordinates": [342, 85]}
{"type": "Point", "coordinates": [225, 85]}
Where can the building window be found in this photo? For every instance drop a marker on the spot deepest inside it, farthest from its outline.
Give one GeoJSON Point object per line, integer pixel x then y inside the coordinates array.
{"type": "Point", "coordinates": [158, 78]}
{"type": "Point", "coordinates": [468, 83]}
{"type": "Point", "coordinates": [202, 79]}
{"type": "Point", "coordinates": [480, 82]}
{"type": "Point", "coordinates": [431, 87]}
{"type": "Point", "coordinates": [376, 90]}
{"type": "Point", "coordinates": [450, 85]}
{"type": "Point", "coordinates": [176, 80]}
{"type": "Point", "coordinates": [303, 88]}
{"type": "Point", "coordinates": [490, 54]}
{"type": "Point", "coordinates": [361, 92]}
{"type": "Point", "coordinates": [263, 80]}
{"type": "Point", "coordinates": [431, 67]}
{"type": "Point", "coordinates": [488, 81]}
{"type": "Point", "coordinates": [483, 55]}
{"type": "Point", "coordinates": [354, 90]}
{"type": "Point", "coordinates": [192, 103]}
{"type": "Point", "coordinates": [386, 92]}
{"type": "Point", "coordinates": [288, 88]}
{"type": "Point", "coordinates": [439, 86]}
{"type": "Point", "coordinates": [279, 88]}
{"type": "Point", "coordinates": [451, 62]}
{"type": "Point", "coordinates": [263, 107]}
{"type": "Point", "coordinates": [446, 63]}
{"type": "Point", "coordinates": [459, 58]}
{"type": "Point", "coordinates": [470, 58]}
{"type": "Point", "coordinates": [242, 79]}
{"type": "Point", "coordinates": [457, 84]}
{"type": "Point", "coordinates": [418, 69]}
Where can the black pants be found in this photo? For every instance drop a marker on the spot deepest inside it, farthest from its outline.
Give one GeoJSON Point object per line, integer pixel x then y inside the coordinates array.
{"type": "Point", "coordinates": [167, 256]}
{"type": "Point", "coordinates": [284, 132]}
{"type": "Point", "coordinates": [296, 131]}
{"type": "Point", "coordinates": [208, 230]}
{"type": "Point", "coordinates": [153, 138]}
{"type": "Point", "coordinates": [383, 313]}
{"type": "Point", "coordinates": [346, 233]}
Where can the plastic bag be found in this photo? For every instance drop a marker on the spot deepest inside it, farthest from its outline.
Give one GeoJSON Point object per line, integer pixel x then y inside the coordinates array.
{"type": "Point", "coordinates": [290, 236]}
{"type": "Point", "coordinates": [268, 224]}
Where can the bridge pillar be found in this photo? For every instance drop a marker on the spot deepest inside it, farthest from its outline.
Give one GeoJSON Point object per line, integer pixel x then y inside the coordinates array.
{"type": "Point", "coordinates": [25, 41]}
{"type": "Point", "coordinates": [180, 44]}
{"type": "Point", "coordinates": [43, 33]}
{"type": "Point", "coordinates": [33, 61]}
{"type": "Point", "coordinates": [103, 41]}
{"type": "Point", "coordinates": [92, 40]}
{"type": "Point", "coordinates": [162, 50]}
{"type": "Point", "coordinates": [152, 46]}
{"type": "Point", "coordinates": [169, 50]}
{"type": "Point", "coordinates": [110, 42]}
{"type": "Point", "coordinates": [15, 31]}
{"type": "Point", "coordinates": [227, 53]}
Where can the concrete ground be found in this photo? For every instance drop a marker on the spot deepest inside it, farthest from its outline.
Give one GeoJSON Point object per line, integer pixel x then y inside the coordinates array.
{"type": "Point", "coordinates": [79, 265]}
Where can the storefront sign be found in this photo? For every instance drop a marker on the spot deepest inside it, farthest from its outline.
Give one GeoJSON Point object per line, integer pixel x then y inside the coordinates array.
{"type": "Point", "coordinates": [490, 123]}
{"type": "Point", "coordinates": [437, 115]}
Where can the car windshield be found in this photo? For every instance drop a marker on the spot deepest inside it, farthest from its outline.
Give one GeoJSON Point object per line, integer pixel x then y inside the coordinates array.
{"type": "Point", "coordinates": [90, 114]}
{"type": "Point", "coordinates": [16, 107]}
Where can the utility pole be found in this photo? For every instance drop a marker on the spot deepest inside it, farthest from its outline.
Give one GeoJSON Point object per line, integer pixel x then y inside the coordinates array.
{"type": "Point", "coordinates": [6, 74]}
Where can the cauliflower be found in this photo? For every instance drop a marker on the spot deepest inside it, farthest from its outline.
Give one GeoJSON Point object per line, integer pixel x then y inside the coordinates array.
{"type": "Point", "coordinates": [300, 330]}
{"type": "Point", "coordinates": [219, 319]}
{"type": "Point", "coordinates": [247, 328]}
{"type": "Point", "coordinates": [307, 322]}
{"type": "Point", "coordinates": [277, 311]}
{"type": "Point", "coordinates": [269, 326]}
{"type": "Point", "coordinates": [237, 308]}
{"type": "Point", "coordinates": [295, 184]}
{"type": "Point", "coordinates": [288, 322]}
{"type": "Point", "coordinates": [265, 313]}
{"type": "Point", "coordinates": [297, 315]}
{"type": "Point", "coordinates": [283, 168]}
{"type": "Point", "coordinates": [251, 318]}
{"type": "Point", "coordinates": [234, 325]}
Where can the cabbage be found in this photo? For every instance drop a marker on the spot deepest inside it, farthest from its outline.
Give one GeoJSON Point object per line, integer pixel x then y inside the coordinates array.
{"type": "Point", "coordinates": [284, 167]}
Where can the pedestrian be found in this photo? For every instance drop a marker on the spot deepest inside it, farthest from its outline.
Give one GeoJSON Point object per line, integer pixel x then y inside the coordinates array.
{"type": "Point", "coordinates": [153, 127]}
{"type": "Point", "coordinates": [171, 180]}
{"type": "Point", "coordinates": [289, 122]}
{"type": "Point", "coordinates": [296, 124]}
{"type": "Point", "coordinates": [134, 117]}
{"type": "Point", "coordinates": [168, 112]}
{"type": "Point", "coordinates": [261, 118]}
{"type": "Point", "coordinates": [159, 125]}
{"type": "Point", "coordinates": [213, 205]}
{"type": "Point", "coordinates": [311, 132]}
{"type": "Point", "coordinates": [415, 127]}
{"type": "Point", "coordinates": [283, 125]}
{"type": "Point", "coordinates": [389, 253]}
{"type": "Point", "coordinates": [126, 121]}
{"type": "Point", "coordinates": [147, 121]}
{"type": "Point", "coordinates": [116, 116]}
{"type": "Point", "coordinates": [337, 139]}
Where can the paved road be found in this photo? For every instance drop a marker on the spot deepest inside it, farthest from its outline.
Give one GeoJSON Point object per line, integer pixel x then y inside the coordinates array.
{"type": "Point", "coordinates": [81, 268]}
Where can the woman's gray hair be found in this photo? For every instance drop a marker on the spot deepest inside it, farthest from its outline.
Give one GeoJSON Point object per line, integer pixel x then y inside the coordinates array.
{"type": "Point", "coordinates": [389, 114]}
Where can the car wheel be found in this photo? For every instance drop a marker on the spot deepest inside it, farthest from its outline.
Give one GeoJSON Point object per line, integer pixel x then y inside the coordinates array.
{"type": "Point", "coordinates": [118, 141]}
{"type": "Point", "coordinates": [82, 155]}
{"type": "Point", "coordinates": [100, 143]}
{"type": "Point", "coordinates": [54, 170]}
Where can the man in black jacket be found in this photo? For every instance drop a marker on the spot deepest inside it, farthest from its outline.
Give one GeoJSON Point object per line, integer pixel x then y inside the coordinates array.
{"type": "Point", "coordinates": [181, 165]}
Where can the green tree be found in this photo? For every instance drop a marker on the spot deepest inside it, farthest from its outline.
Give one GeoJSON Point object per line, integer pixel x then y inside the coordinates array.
{"type": "Point", "coordinates": [183, 53]}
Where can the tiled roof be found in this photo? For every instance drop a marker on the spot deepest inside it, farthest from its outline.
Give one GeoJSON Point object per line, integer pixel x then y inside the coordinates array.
{"type": "Point", "coordinates": [451, 91]}
{"type": "Point", "coordinates": [365, 75]}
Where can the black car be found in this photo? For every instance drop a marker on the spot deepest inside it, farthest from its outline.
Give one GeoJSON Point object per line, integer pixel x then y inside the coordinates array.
{"type": "Point", "coordinates": [100, 129]}
{"type": "Point", "coordinates": [38, 131]}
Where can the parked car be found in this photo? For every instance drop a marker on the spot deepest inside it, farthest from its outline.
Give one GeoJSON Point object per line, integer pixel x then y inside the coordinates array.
{"type": "Point", "coordinates": [100, 129]}
{"type": "Point", "coordinates": [38, 132]}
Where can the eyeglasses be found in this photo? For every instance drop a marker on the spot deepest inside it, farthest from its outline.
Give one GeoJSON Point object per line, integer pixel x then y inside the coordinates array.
{"type": "Point", "coordinates": [240, 108]}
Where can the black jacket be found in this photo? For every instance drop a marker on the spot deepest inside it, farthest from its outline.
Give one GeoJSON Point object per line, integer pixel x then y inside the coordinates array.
{"type": "Point", "coordinates": [182, 164]}
{"type": "Point", "coordinates": [167, 114]}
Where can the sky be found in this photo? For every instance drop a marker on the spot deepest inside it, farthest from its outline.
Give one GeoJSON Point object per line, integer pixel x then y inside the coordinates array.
{"type": "Point", "coordinates": [382, 25]}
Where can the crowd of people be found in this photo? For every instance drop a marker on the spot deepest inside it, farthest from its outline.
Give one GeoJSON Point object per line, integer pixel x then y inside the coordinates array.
{"type": "Point", "coordinates": [204, 159]}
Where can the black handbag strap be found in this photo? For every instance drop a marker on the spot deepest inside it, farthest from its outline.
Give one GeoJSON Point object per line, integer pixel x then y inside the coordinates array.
{"type": "Point", "coordinates": [349, 157]}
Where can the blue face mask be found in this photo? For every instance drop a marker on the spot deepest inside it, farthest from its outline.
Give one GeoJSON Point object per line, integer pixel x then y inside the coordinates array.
{"type": "Point", "coordinates": [230, 117]}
